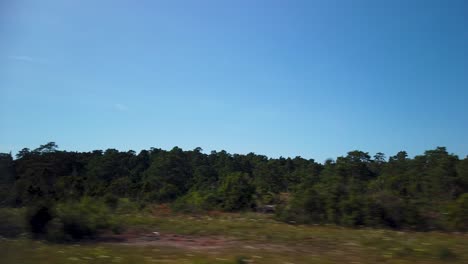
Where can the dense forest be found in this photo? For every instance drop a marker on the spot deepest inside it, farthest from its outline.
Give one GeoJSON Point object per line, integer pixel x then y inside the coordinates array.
{"type": "Point", "coordinates": [429, 191]}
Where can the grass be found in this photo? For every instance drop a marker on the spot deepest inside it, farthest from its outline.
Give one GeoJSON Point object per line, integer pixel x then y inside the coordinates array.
{"type": "Point", "coordinates": [260, 239]}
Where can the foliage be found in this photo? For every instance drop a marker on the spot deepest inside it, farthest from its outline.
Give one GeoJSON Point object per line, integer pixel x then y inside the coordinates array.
{"type": "Point", "coordinates": [12, 222]}
{"type": "Point", "coordinates": [38, 217]}
{"type": "Point", "coordinates": [459, 213]}
{"type": "Point", "coordinates": [236, 192]}
{"type": "Point", "coordinates": [66, 221]}
{"type": "Point", "coordinates": [195, 201]}
{"type": "Point", "coordinates": [78, 220]}
{"type": "Point", "coordinates": [424, 192]}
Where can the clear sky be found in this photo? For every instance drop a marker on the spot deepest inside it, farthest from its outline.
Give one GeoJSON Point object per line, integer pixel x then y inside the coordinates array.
{"type": "Point", "coordinates": [280, 78]}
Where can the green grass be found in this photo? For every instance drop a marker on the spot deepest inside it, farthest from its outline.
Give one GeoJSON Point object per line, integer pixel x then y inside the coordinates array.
{"type": "Point", "coordinates": [259, 239]}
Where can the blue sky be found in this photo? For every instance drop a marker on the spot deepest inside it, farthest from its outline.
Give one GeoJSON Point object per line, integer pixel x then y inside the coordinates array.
{"type": "Point", "coordinates": [280, 78]}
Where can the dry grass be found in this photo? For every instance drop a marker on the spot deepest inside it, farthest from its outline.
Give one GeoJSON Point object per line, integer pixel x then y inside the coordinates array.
{"type": "Point", "coordinates": [258, 238]}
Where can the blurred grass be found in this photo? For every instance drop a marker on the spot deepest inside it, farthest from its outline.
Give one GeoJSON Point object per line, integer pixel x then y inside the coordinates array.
{"type": "Point", "coordinates": [262, 240]}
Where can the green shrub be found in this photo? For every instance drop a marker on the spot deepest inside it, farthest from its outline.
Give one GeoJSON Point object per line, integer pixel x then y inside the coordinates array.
{"type": "Point", "coordinates": [194, 202]}
{"type": "Point", "coordinates": [305, 207]}
{"type": "Point", "coordinates": [385, 209]}
{"type": "Point", "coordinates": [83, 219]}
{"type": "Point", "coordinates": [236, 192]}
{"type": "Point", "coordinates": [38, 217]}
{"type": "Point", "coordinates": [12, 222]}
{"type": "Point", "coordinates": [126, 206]}
{"type": "Point", "coordinates": [111, 200]}
{"type": "Point", "coordinates": [458, 216]}
{"type": "Point", "coordinates": [56, 231]}
{"type": "Point", "coordinates": [293, 215]}
{"type": "Point", "coordinates": [264, 198]}
{"type": "Point", "coordinates": [352, 211]}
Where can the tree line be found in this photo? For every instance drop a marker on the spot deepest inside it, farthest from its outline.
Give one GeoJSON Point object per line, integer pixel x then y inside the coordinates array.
{"type": "Point", "coordinates": [428, 191]}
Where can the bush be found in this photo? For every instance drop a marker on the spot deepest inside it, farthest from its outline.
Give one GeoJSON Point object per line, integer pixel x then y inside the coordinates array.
{"type": "Point", "coordinates": [38, 217]}
{"type": "Point", "coordinates": [12, 222]}
{"type": "Point", "coordinates": [78, 220]}
{"type": "Point", "coordinates": [385, 209]}
{"type": "Point", "coordinates": [352, 213]}
{"type": "Point", "coordinates": [236, 192]}
{"type": "Point", "coordinates": [266, 198]}
{"type": "Point", "coordinates": [305, 207]}
{"type": "Point", "coordinates": [55, 231]}
{"type": "Point", "coordinates": [111, 200]}
{"type": "Point", "coordinates": [126, 206]}
{"type": "Point", "coordinates": [195, 202]}
{"type": "Point", "coordinates": [458, 216]}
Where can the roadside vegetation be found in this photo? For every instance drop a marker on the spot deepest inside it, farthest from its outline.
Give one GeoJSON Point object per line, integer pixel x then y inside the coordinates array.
{"type": "Point", "coordinates": [427, 192]}
{"type": "Point", "coordinates": [190, 207]}
{"type": "Point", "coordinates": [244, 238]}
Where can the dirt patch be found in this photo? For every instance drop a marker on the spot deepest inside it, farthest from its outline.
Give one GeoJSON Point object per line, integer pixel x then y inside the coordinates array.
{"type": "Point", "coordinates": [171, 240]}
{"type": "Point", "coordinates": [188, 242]}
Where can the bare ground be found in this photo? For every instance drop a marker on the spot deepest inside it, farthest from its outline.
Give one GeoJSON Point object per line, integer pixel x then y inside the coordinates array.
{"type": "Point", "coordinates": [138, 238]}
